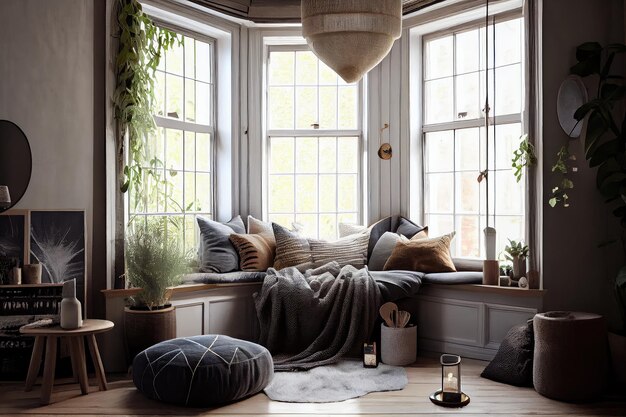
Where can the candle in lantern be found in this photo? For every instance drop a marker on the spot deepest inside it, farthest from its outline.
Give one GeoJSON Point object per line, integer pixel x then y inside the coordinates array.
{"type": "Point", "coordinates": [450, 383]}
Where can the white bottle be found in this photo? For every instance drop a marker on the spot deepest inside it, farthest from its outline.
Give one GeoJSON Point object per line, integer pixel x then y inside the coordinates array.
{"type": "Point", "coordinates": [71, 312]}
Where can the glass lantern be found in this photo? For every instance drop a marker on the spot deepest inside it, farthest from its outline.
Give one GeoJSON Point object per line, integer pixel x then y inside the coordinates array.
{"type": "Point", "coordinates": [451, 378]}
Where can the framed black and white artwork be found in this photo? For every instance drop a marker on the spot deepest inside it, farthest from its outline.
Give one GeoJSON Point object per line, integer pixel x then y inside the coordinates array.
{"type": "Point", "coordinates": [13, 240]}
{"type": "Point", "coordinates": [57, 242]}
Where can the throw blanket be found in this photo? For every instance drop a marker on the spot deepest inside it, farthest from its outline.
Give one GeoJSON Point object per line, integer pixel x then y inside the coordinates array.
{"type": "Point", "coordinates": [315, 318]}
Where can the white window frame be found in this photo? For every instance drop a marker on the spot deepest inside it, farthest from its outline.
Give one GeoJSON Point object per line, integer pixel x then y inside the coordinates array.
{"type": "Point", "coordinates": [475, 23]}
{"type": "Point", "coordinates": [166, 122]}
{"type": "Point", "coordinates": [270, 133]}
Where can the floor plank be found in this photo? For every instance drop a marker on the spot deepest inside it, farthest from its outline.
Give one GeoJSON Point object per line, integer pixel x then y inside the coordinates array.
{"type": "Point", "coordinates": [487, 398]}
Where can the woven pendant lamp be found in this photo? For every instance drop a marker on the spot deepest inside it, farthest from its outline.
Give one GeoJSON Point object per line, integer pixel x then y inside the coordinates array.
{"type": "Point", "coordinates": [351, 36]}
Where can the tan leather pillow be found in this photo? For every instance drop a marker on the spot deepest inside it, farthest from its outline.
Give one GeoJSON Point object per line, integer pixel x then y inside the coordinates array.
{"type": "Point", "coordinates": [423, 255]}
{"type": "Point", "coordinates": [256, 251]}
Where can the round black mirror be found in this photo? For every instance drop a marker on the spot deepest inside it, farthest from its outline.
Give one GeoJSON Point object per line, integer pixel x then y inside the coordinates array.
{"type": "Point", "coordinates": [16, 163]}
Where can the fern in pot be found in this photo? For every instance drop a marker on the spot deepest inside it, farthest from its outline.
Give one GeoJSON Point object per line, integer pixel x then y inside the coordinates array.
{"type": "Point", "coordinates": [154, 264]}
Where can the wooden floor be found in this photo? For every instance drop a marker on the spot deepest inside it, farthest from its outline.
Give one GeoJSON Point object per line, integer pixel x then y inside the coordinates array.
{"type": "Point", "coordinates": [487, 398]}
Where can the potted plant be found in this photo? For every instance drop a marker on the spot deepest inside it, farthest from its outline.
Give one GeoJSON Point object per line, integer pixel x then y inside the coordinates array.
{"type": "Point", "coordinates": [605, 148]}
{"type": "Point", "coordinates": [516, 253]}
{"type": "Point", "coordinates": [155, 263]}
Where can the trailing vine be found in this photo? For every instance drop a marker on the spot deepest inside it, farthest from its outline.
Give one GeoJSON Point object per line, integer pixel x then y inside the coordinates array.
{"type": "Point", "coordinates": [141, 47]}
{"type": "Point", "coordinates": [523, 157]}
{"type": "Point", "coordinates": [559, 192]}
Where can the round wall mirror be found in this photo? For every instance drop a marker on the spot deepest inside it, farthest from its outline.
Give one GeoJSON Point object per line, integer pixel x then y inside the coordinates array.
{"type": "Point", "coordinates": [572, 95]}
{"type": "Point", "coordinates": [16, 164]}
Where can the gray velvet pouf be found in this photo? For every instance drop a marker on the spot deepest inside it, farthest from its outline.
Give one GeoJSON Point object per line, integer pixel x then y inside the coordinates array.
{"type": "Point", "coordinates": [570, 361]}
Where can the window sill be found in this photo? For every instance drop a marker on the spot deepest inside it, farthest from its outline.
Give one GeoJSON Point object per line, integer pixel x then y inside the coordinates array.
{"type": "Point", "coordinates": [180, 289]}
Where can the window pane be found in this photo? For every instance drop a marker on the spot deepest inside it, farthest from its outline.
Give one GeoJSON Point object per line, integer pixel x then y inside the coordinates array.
{"type": "Point", "coordinates": [190, 233]}
{"type": "Point", "coordinates": [174, 149]}
{"type": "Point", "coordinates": [306, 68]}
{"type": "Point", "coordinates": [174, 90]}
{"type": "Point", "coordinates": [508, 42]}
{"type": "Point", "coordinates": [348, 192]}
{"type": "Point", "coordinates": [282, 156]}
{"type": "Point", "coordinates": [438, 101]}
{"type": "Point", "coordinates": [159, 93]}
{"type": "Point", "coordinates": [190, 100]}
{"type": "Point", "coordinates": [306, 193]}
{"type": "Point", "coordinates": [328, 226]}
{"type": "Point", "coordinates": [439, 57]}
{"type": "Point", "coordinates": [468, 96]}
{"type": "Point", "coordinates": [328, 193]}
{"type": "Point", "coordinates": [281, 68]}
{"type": "Point", "coordinates": [174, 59]}
{"type": "Point", "coordinates": [467, 50]}
{"type": "Point", "coordinates": [306, 107]}
{"type": "Point", "coordinates": [328, 158]}
{"type": "Point", "coordinates": [281, 107]}
{"type": "Point", "coordinates": [509, 193]}
{"type": "Point", "coordinates": [203, 61]}
{"type": "Point", "coordinates": [175, 202]}
{"type": "Point", "coordinates": [203, 152]}
{"type": "Point", "coordinates": [190, 191]}
{"type": "Point", "coordinates": [306, 155]}
{"type": "Point", "coordinates": [467, 149]}
{"type": "Point", "coordinates": [348, 107]}
{"type": "Point", "coordinates": [348, 155]}
{"type": "Point", "coordinates": [328, 107]}
{"type": "Point", "coordinates": [468, 237]}
{"type": "Point", "coordinates": [190, 151]}
{"type": "Point", "coordinates": [309, 223]}
{"type": "Point", "coordinates": [327, 75]}
{"type": "Point", "coordinates": [203, 192]}
{"type": "Point", "coordinates": [284, 220]}
{"type": "Point", "coordinates": [440, 192]}
{"type": "Point", "coordinates": [190, 57]}
{"type": "Point", "coordinates": [439, 153]}
{"type": "Point", "coordinates": [203, 100]}
{"type": "Point", "coordinates": [281, 194]}
{"type": "Point", "coordinates": [507, 141]}
{"type": "Point", "coordinates": [439, 225]}
{"type": "Point", "coordinates": [468, 192]}
{"type": "Point", "coordinates": [508, 90]}
{"type": "Point", "coordinates": [508, 227]}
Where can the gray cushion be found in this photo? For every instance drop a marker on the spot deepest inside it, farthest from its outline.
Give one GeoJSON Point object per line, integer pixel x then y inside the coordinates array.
{"type": "Point", "coordinates": [217, 254]}
{"type": "Point", "coordinates": [236, 277]}
{"type": "Point", "coordinates": [382, 250]}
{"type": "Point", "coordinates": [395, 285]}
{"type": "Point", "coordinates": [376, 231]}
{"type": "Point", "coordinates": [464, 264]}
{"type": "Point", "coordinates": [454, 278]}
{"type": "Point", "coordinates": [202, 371]}
{"type": "Point", "coordinates": [407, 228]}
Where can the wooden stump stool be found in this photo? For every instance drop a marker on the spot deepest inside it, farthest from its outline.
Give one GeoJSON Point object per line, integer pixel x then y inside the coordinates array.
{"type": "Point", "coordinates": [570, 359]}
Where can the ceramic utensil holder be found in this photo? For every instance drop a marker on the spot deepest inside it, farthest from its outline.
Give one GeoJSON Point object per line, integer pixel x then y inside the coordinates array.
{"type": "Point", "coordinates": [398, 344]}
{"type": "Point", "coordinates": [31, 274]}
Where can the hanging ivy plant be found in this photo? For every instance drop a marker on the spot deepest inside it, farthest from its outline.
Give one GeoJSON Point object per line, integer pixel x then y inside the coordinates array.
{"type": "Point", "coordinates": [142, 44]}
{"type": "Point", "coordinates": [523, 157]}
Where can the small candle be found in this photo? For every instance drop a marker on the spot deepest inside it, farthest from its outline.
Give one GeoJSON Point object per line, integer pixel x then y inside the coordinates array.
{"type": "Point", "coordinates": [450, 383]}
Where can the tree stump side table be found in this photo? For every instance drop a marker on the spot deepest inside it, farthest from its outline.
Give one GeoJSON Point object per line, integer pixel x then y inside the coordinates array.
{"type": "Point", "coordinates": [50, 336]}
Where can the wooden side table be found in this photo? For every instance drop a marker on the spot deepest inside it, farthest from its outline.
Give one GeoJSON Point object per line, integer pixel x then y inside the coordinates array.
{"type": "Point", "coordinates": [50, 336]}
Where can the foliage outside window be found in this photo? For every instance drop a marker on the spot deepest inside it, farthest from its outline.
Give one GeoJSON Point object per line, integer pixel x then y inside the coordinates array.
{"type": "Point", "coordinates": [314, 144]}
{"type": "Point", "coordinates": [454, 139]}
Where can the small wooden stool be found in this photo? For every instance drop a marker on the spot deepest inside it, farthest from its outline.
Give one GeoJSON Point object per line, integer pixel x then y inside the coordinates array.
{"type": "Point", "coordinates": [77, 352]}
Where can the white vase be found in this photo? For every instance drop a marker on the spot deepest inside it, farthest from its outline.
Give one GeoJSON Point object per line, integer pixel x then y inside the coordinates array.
{"type": "Point", "coordinates": [71, 312]}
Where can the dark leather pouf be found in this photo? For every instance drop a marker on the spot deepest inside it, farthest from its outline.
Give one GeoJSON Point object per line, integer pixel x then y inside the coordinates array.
{"type": "Point", "coordinates": [570, 359]}
{"type": "Point", "coordinates": [202, 371]}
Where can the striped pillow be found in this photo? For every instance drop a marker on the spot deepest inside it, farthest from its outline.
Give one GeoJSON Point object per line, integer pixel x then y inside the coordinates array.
{"type": "Point", "coordinates": [350, 250]}
{"type": "Point", "coordinates": [256, 251]}
{"type": "Point", "coordinates": [291, 249]}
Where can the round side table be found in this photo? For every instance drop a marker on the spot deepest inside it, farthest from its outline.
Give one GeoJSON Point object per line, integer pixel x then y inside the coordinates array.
{"type": "Point", "coordinates": [50, 336]}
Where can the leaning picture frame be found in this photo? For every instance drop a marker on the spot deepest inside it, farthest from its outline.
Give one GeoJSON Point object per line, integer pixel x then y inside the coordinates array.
{"type": "Point", "coordinates": [58, 241]}
{"type": "Point", "coordinates": [13, 240]}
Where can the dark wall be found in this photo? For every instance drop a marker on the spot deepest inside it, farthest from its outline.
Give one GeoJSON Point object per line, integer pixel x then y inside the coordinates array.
{"type": "Point", "coordinates": [576, 273]}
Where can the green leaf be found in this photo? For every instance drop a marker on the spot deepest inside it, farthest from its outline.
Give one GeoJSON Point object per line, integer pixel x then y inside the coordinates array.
{"type": "Point", "coordinates": [553, 202]}
{"type": "Point", "coordinates": [605, 151]}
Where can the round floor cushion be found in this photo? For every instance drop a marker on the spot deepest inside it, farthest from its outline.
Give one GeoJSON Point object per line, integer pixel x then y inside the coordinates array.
{"type": "Point", "coordinates": [202, 370]}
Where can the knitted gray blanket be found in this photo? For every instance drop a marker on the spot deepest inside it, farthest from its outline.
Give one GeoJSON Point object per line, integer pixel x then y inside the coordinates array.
{"type": "Point", "coordinates": [315, 318]}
